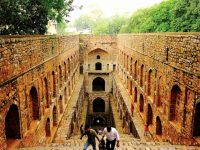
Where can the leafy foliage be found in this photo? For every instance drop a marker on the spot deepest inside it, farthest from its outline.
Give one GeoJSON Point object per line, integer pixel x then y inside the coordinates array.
{"type": "Point", "coordinates": [100, 25]}
{"type": "Point", "coordinates": [168, 16]}
{"type": "Point", "coordinates": [31, 16]}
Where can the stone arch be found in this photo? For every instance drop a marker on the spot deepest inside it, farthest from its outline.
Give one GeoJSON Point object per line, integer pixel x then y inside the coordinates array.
{"type": "Point", "coordinates": [60, 104]}
{"type": "Point", "coordinates": [174, 102]}
{"type": "Point", "coordinates": [98, 84]}
{"type": "Point", "coordinates": [158, 126]}
{"type": "Point", "coordinates": [12, 123]}
{"type": "Point", "coordinates": [98, 66]}
{"type": "Point", "coordinates": [48, 128]}
{"type": "Point", "coordinates": [99, 121]}
{"type": "Point", "coordinates": [135, 94]}
{"type": "Point", "coordinates": [54, 116]}
{"type": "Point", "coordinates": [149, 115]}
{"type": "Point", "coordinates": [141, 103]}
{"type": "Point", "coordinates": [54, 83]}
{"type": "Point", "coordinates": [196, 129]}
{"type": "Point", "coordinates": [35, 103]}
{"type": "Point", "coordinates": [98, 50]}
{"type": "Point", "coordinates": [98, 105]}
{"type": "Point", "coordinates": [46, 92]}
{"type": "Point", "coordinates": [149, 82]}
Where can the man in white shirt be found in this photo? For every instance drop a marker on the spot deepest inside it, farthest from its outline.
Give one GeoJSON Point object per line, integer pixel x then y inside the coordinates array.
{"type": "Point", "coordinates": [112, 136]}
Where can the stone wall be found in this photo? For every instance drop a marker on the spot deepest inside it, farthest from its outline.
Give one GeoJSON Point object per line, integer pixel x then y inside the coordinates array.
{"type": "Point", "coordinates": [38, 74]}
{"type": "Point", "coordinates": [155, 67]}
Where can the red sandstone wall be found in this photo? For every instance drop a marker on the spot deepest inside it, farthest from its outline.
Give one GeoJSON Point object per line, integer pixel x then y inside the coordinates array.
{"type": "Point", "coordinates": [24, 63]}
{"type": "Point", "coordinates": [182, 68]}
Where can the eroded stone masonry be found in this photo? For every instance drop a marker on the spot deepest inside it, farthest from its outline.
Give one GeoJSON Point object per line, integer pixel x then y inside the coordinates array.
{"type": "Point", "coordinates": [154, 75]}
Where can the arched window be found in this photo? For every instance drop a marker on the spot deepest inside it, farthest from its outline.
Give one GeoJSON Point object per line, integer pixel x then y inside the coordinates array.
{"type": "Point", "coordinates": [142, 76]}
{"type": "Point", "coordinates": [68, 62]}
{"type": "Point", "coordinates": [131, 87]}
{"type": "Point", "coordinates": [98, 84]}
{"type": "Point", "coordinates": [149, 115]}
{"type": "Point", "coordinates": [98, 105]}
{"type": "Point", "coordinates": [65, 94]}
{"type": "Point", "coordinates": [60, 75]}
{"type": "Point", "coordinates": [98, 66]}
{"type": "Point", "coordinates": [141, 103]}
{"type": "Point", "coordinates": [54, 116]}
{"type": "Point", "coordinates": [158, 126]}
{"type": "Point", "coordinates": [46, 92]}
{"type": "Point", "coordinates": [159, 92]}
{"type": "Point", "coordinates": [65, 70]}
{"type": "Point", "coordinates": [98, 57]}
{"type": "Point", "coordinates": [35, 103]}
{"type": "Point", "coordinates": [47, 128]}
{"type": "Point", "coordinates": [149, 82]}
{"type": "Point", "coordinates": [12, 124]}
{"type": "Point", "coordinates": [54, 83]}
{"type": "Point", "coordinates": [135, 69]}
{"type": "Point", "coordinates": [60, 104]}
{"type": "Point", "coordinates": [196, 131]}
{"type": "Point", "coordinates": [174, 102]}
{"type": "Point", "coordinates": [135, 94]}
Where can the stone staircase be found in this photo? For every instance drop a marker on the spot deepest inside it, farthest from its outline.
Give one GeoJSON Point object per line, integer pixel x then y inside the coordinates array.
{"type": "Point", "coordinates": [127, 142]}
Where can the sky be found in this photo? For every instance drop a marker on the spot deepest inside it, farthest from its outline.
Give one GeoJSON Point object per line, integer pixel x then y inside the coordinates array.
{"type": "Point", "coordinates": [110, 7]}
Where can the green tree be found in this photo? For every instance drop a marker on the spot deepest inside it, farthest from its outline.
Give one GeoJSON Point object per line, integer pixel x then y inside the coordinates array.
{"type": "Point", "coordinates": [168, 16]}
{"type": "Point", "coordinates": [31, 16]}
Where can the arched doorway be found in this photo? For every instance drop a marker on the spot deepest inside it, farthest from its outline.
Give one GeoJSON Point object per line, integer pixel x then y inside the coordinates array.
{"type": "Point", "coordinates": [98, 84]}
{"type": "Point", "coordinates": [98, 105]}
{"type": "Point", "coordinates": [196, 131]}
{"type": "Point", "coordinates": [54, 116]}
{"type": "Point", "coordinates": [149, 115]}
{"type": "Point", "coordinates": [98, 66]}
{"type": "Point", "coordinates": [35, 103]}
{"type": "Point", "coordinates": [174, 102]}
{"type": "Point", "coordinates": [12, 125]}
{"type": "Point", "coordinates": [158, 126]}
{"type": "Point", "coordinates": [141, 103]}
{"type": "Point", "coordinates": [99, 121]}
{"type": "Point", "coordinates": [47, 128]}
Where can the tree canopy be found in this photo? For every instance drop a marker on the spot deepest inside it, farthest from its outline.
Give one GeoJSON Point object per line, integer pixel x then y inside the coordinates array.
{"type": "Point", "coordinates": [31, 16]}
{"type": "Point", "coordinates": [168, 16]}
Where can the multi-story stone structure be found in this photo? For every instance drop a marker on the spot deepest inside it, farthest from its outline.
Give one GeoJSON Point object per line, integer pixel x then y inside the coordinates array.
{"type": "Point", "coordinates": [154, 75]}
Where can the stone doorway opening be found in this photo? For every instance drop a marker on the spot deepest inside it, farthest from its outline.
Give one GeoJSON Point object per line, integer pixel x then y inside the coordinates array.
{"type": "Point", "coordinates": [98, 84]}
{"type": "Point", "coordinates": [158, 126]}
{"type": "Point", "coordinates": [98, 105]}
{"type": "Point", "coordinates": [196, 131]}
{"type": "Point", "coordinates": [12, 125]}
{"type": "Point", "coordinates": [35, 103]}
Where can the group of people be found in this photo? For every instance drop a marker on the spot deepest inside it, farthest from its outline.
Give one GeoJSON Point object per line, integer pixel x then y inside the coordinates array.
{"type": "Point", "coordinates": [111, 134]}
